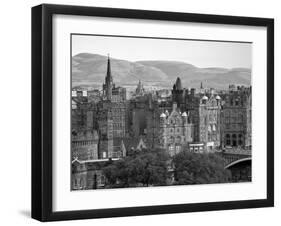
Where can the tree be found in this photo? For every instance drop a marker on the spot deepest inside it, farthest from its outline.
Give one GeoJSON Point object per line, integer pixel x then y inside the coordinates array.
{"type": "Point", "coordinates": [142, 169]}
{"type": "Point", "coordinates": [195, 168]}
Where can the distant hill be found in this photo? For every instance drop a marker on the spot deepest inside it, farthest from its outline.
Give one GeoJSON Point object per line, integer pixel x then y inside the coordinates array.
{"type": "Point", "coordinates": [90, 69]}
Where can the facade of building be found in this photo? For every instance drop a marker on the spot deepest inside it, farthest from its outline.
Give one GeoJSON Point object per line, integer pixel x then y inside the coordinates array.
{"type": "Point", "coordinates": [105, 128]}
{"type": "Point", "coordinates": [204, 112]}
{"type": "Point", "coordinates": [84, 144]}
{"type": "Point", "coordinates": [88, 175]}
{"type": "Point", "coordinates": [209, 121]}
{"type": "Point", "coordinates": [112, 117]}
{"type": "Point", "coordinates": [175, 131]}
{"type": "Point", "coordinates": [83, 114]}
{"type": "Point", "coordinates": [236, 118]}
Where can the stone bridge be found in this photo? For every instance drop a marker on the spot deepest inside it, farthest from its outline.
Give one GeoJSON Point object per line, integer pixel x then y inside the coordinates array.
{"type": "Point", "coordinates": [239, 162]}
{"type": "Point", "coordinates": [231, 156]}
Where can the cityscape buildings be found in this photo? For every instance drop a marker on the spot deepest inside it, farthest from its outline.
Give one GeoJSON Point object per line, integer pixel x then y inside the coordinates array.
{"type": "Point", "coordinates": [106, 126]}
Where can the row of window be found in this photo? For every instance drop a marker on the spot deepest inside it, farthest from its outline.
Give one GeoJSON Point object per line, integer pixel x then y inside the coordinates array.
{"type": "Point", "coordinates": [115, 154]}
{"type": "Point", "coordinates": [118, 125]}
{"type": "Point", "coordinates": [175, 130]}
{"type": "Point", "coordinates": [83, 143]}
{"type": "Point", "coordinates": [177, 139]}
{"type": "Point", "coordinates": [234, 126]}
{"type": "Point", "coordinates": [234, 140]}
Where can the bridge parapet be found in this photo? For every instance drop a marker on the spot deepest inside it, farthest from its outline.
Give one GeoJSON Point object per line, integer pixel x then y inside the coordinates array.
{"type": "Point", "coordinates": [232, 155]}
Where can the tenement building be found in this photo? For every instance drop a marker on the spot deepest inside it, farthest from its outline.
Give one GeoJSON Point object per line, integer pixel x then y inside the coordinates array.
{"type": "Point", "coordinates": [175, 130]}
{"type": "Point", "coordinates": [209, 129]}
{"type": "Point", "coordinates": [105, 128]}
{"type": "Point", "coordinates": [236, 118]}
{"type": "Point", "coordinates": [204, 112]}
{"type": "Point", "coordinates": [84, 145]}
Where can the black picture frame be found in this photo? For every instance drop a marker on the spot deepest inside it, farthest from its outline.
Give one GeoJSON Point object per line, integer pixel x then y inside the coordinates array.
{"type": "Point", "coordinates": [42, 107]}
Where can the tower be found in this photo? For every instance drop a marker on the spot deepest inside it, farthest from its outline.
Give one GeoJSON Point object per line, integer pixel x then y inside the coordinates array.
{"type": "Point", "coordinates": [139, 89]}
{"type": "Point", "coordinates": [202, 88]}
{"type": "Point", "coordinates": [108, 85]}
{"type": "Point", "coordinates": [105, 134]}
{"type": "Point", "coordinates": [177, 93]}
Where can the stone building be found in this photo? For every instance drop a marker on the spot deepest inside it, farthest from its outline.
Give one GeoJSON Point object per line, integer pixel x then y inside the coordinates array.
{"type": "Point", "coordinates": [112, 116]}
{"type": "Point", "coordinates": [118, 94]}
{"type": "Point", "coordinates": [83, 114]}
{"type": "Point", "coordinates": [117, 111]}
{"type": "Point", "coordinates": [84, 144]}
{"type": "Point", "coordinates": [209, 128]}
{"type": "Point", "coordinates": [175, 130]}
{"type": "Point", "coordinates": [144, 119]}
{"type": "Point", "coordinates": [204, 113]}
{"type": "Point", "coordinates": [237, 117]}
{"type": "Point", "coordinates": [105, 128]}
{"type": "Point", "coordinates": [88, 174]}
{"type": "Point", "coordinates": [94, 96]}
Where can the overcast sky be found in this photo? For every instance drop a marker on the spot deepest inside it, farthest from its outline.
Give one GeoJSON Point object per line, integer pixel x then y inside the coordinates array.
{"type": "Point", "coordinates": [199, 53]}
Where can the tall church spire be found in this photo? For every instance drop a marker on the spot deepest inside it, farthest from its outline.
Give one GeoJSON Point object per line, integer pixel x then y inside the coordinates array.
{"type": "Point", "coordinates": [108, 86]}
{"type": "Point", "coordinates": [108, 78]}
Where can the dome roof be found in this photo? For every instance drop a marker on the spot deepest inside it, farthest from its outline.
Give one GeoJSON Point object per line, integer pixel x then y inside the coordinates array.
{"type": "Point", "coordinates": [162, 115]}
{"type": "Point", "coordinates": [218, 97]}
{"type": "Point", "coordinates": [205, 98]}
{"type": "Point", "coordinates": [184, 114]}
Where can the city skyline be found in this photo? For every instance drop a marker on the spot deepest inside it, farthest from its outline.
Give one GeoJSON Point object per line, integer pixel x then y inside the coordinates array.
{"type": "Point", "coordinates": [127, 134]}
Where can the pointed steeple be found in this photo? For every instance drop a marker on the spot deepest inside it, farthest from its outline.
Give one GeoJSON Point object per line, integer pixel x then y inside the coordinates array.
{"type": "Point", "coordinates": [108, 86]}
{"type": "Point", "coordinates": [201, 86]}
{"type": "Point", "coordinates": [108, 78]}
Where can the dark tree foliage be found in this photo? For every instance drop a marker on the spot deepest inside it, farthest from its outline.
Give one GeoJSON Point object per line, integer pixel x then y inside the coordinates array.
{"type": "Point", "coordinates": [195, 168]}
{"type": "Point", "coordinates": [146, 168]}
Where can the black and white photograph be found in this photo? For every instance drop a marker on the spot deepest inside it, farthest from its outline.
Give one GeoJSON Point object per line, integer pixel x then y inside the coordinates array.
{"type": "Point", "coordinates": [148, 112]}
